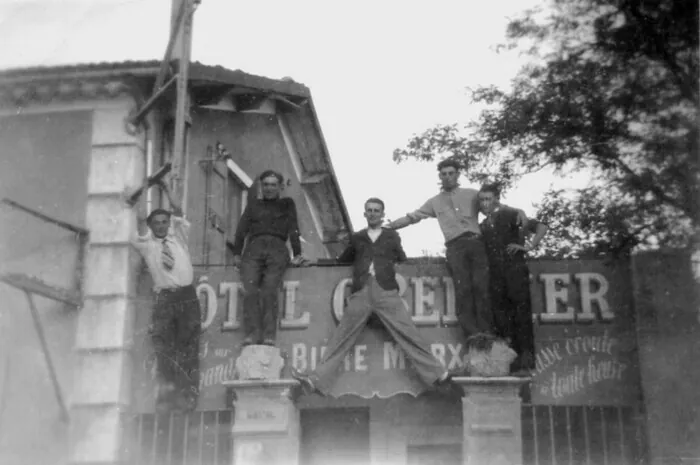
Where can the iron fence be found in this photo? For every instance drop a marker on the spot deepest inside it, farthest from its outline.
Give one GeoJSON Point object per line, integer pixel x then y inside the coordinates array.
{"type": "Point", "coordinates": [552, 435]}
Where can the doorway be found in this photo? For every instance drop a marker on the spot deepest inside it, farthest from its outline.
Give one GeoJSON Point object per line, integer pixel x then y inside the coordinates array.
{"type": "Point", "coordinates": [338, 436]}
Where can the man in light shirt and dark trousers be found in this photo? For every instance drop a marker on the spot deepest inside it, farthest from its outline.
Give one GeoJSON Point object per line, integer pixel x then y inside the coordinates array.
{"type": "Point", "coordinates": [162, 241]}
{"type": "Point", "coordinates": [457, 209]}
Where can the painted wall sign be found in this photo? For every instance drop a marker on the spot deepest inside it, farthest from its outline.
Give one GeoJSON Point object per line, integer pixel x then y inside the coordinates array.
{"type": "Point", "coordinates": [584, 330]}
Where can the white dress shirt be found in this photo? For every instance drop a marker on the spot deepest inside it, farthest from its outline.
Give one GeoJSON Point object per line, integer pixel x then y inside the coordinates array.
{"type": "Point", "coordinates": [151, 248]}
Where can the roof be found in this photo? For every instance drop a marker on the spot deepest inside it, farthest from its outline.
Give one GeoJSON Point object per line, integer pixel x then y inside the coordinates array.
{"type": "Point", "coordinates": [319, 180]}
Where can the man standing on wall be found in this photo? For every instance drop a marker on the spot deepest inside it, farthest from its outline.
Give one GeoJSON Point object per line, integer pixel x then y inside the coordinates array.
{"type": "Point", "coordinates": [266, 223]}
{"type": "Point", "coordinates": [175, 328]}
{"type": "Point", "coordinates": [509, 276]}
{"type": "Point", "coordinates": [456, 209]}
{"type": "Point", "coordinates": [373, 253]}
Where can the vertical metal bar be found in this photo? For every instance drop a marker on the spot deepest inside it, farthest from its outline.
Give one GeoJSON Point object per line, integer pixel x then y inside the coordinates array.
{"type": "Point", "coordinates": [47, 356]}
{"type": "Point", "coordinates": [216, 438]}
{"type": "Point", "coordinates": [568, 435]}
{"type": "Point", "coordinates": [621, 427]}
{"type": "Point", "coordinates": [207, 194]}
{"type": "Point", "coordinates": [603, 431]}
{"type": "Point", "coordinates": [552, 439]}
{"type": "Point", "coordinates": [201, 437]}
{"type": "Point", "coordinates": [586, 436]}
{"type": "Point", "coordinates": [535, 435]}
{"type": "Point", "coordinates": [154, 446]}
{"type": "Point", "coordinates": [185, 439]}
{"type": "Point", "coordinates": [227, 212]}
{"type": "Point", "coordinates": [169, 451]}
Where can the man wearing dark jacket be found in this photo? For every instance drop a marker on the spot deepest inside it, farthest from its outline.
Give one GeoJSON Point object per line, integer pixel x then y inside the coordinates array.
{"type": "Point", "coordinates": [509, 276]}
{"type": "Point", "coordinates": [373, 253]}
{"type": "Point", "coordinates": [264, 228]}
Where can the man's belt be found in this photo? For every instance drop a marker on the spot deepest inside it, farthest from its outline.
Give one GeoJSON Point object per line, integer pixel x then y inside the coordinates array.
{"type": "Point", "coordinates": [466, 235]}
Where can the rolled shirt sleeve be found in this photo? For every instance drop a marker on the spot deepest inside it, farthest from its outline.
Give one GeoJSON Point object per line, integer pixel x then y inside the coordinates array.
{"type": "Point", "coordinates": [425, 211]}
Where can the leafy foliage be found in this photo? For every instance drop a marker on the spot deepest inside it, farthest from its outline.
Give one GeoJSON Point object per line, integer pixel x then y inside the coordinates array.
{"type": "Point", "coordinates": [611, 89]}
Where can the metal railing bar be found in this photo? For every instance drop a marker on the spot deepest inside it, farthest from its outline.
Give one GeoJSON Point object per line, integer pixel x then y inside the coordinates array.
{"type": "Point", "coordinates": [603, 432]}
{"type": "Point", "coordinates": [568, 435]}
{"type": "Point", "coordinates": [552, 439]}
{"type": "Point", "coordinates": [534, 435]}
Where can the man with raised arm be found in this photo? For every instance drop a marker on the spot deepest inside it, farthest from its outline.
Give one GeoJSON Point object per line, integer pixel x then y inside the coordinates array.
{"type": "Point", "coordinates": [456, 209]}
{"type": "Point", "coordinates": [175, 328]}
{"type": "Point", "coordinates": [506, 248]}
{"type": "Point", "coordinates": [373, 253]}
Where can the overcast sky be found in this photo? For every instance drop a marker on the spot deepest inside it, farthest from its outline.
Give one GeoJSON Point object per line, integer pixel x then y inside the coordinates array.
{"type": "Point", "coordinates": [379, 71]}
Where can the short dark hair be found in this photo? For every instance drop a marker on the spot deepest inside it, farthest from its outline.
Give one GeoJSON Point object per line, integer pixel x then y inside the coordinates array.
{"type": "Point", "coordinates": [268, 173]}
{"type": "Point", "coordinates": [375, 200]}
{"type": "Point", "coordinates": [157, 211]}
{"type": "Point", "coordinates": [449, 163]}
{"type": "Point", "coordinates": [493, 187]}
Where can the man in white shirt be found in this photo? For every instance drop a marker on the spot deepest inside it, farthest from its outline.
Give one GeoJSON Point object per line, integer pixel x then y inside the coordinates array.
{"type": "Point", "coordinates": [162, 240]}
{"type": "Point", "coordinates": [373, 252]}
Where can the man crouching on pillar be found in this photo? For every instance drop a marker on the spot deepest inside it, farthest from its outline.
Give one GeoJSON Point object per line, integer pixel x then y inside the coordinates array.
{"type": "Point", "coordinates": [373, 253]}
{"type": "Point", "coordinates": [176, 320]}
{"type": "Point", "coordinates": [265, 226]}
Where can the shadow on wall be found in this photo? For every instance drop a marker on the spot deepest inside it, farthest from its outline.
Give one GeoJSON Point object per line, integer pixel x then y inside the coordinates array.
{"type": "Point", "coordinates": [31, 428]}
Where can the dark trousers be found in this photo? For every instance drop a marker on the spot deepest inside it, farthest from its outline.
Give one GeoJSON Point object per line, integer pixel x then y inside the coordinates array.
{"type": "Point", "coordinates": [469, 268]}
{"type": "Point", "coordinates": [262, 268]}
{"type": "Point", "coordinates": [389, 308]}
{"type": "Point", "coordinates": [512, 309]}
{"type": "Point", "coordinates": [175, 330]}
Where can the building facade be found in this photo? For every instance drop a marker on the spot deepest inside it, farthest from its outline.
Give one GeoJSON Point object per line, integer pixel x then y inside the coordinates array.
{"type": "Point", "coordinates": [617, 343]}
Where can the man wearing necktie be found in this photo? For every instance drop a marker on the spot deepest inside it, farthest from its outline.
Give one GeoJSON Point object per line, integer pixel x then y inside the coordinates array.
{"type": "Point", "coordinates": [373, 253]}
{"type": "Point", "coordinates": [175, 328]}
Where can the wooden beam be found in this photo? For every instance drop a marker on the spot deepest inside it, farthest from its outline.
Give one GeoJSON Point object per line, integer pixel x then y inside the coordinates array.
{"type": "Point", "coordinates": [43, 217]}
{"type": "Point", "coordinates": [316, 178]}
{"type": "Point", "coordinates": [36, 286]}
{"type": "Point", "coordinates": [47, 356]}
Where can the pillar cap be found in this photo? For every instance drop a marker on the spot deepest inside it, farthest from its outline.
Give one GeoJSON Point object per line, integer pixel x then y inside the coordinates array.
{"type": "Point", "coordinates": [500, 381]}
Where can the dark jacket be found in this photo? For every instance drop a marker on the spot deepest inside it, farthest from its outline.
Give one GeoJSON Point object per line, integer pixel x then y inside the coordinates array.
{"type": "Point", "coordinates": [500, 229]}
{"type": "Point", "coordinates": [385, 252]}
{"type": "Point", "coordinates": [277, 217]}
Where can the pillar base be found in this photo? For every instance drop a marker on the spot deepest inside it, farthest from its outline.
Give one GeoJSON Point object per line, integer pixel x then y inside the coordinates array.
{"type": "Point", "coordinates": [491, 420]}
{"type": "Point", "coordinates": [266, 427]}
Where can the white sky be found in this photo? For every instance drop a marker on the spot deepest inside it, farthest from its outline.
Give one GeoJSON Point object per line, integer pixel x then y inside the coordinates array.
{"type": "Point", "coordinates": [378, 71]}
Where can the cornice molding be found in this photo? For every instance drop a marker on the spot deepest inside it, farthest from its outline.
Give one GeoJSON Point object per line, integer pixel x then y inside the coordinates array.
{"type": "Point", "coordinates": [33, 92]}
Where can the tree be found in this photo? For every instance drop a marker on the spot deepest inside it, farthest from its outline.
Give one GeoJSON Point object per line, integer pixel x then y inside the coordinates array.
{"type": "Point", "coordinates": [610, 88]}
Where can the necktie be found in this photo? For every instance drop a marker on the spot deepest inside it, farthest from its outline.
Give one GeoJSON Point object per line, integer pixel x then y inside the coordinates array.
{"type": "Point", "coordinates": [167, 256]}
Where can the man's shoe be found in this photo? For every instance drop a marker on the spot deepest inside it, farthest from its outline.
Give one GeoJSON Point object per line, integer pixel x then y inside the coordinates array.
{"type": "Point", "coordinates": [307, 383]}
{"type": "Point", "coordinates": [448, 386]}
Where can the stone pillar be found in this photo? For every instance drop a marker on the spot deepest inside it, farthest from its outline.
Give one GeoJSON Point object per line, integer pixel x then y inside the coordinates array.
{"type": "Point", "coordinates": [266, 427]}
{"type": "Point", "coordinates": [491, 421]}
{"type": "Point", "coordinates": [105, 323]}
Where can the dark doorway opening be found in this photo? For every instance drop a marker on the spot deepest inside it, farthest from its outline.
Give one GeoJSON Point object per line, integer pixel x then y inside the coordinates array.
{"type": "Point", "coordinates": [338, 436]}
